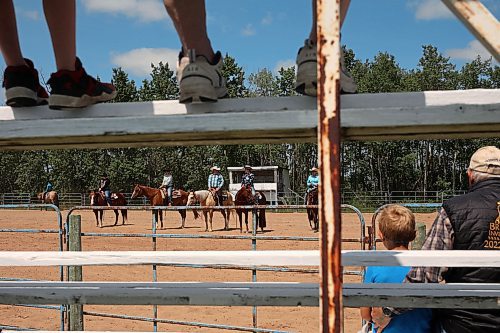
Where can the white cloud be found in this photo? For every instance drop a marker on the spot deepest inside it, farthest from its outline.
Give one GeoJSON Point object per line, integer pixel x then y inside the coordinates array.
{"type": "Point", "coordinates": [31, 14]}
{"type": "Point", "coordinates": [284, 64]}
{"type": "Point", "coordinates": [430, 10]}
{"type": "Point", "coordinates": [248, 30]}
{"type": "Point", "coordinates": [144, 10]}
{"type": "Point", "coordinates": [138, 61]}
{"type": "Point", "coordinates": [267, 20]}
{"type": "Point", "coordinates": [470, 52]}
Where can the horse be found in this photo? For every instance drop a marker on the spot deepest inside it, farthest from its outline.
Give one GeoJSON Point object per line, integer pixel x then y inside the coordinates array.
{"type": "Point", "coordinates": [244, 197]}
{"type": "Point", "coordinates": [179, 198]}
{"type": "Point", "coordinates": [206, 200]}
{"type": "Point", "coordinates": [312, 213]}
{"type": "Point", "coordinates": [98, 199]}
{"type": "Point", "coordinates": [50, 198]}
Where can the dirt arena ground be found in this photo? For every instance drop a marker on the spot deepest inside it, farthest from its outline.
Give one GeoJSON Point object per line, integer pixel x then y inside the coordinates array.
{"type": "Point", "coordinates": [300, 319]}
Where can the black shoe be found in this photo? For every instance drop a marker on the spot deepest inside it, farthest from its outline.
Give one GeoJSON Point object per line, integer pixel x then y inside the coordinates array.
{"type": "Point", "coordinates": [22, 86]}
{"type": "Point", "coordinates": [77, 89]}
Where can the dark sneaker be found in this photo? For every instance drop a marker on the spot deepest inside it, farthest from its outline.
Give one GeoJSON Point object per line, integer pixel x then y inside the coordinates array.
{"type": "Point", "coordinates": [22, 86]}
{"type": "Point", "coordinates": [77, 89]}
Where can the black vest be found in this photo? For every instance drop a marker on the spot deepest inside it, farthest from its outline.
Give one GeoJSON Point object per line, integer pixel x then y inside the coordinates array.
{"type": "Point", "coordinates": [473, 217]}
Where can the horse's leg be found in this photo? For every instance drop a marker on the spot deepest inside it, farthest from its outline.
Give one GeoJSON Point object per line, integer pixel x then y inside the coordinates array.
{"type": "Point", "coordinates": [124, 216]}
{"type": "Point", "coordinates": [239, 213]}
{"type": "Point", "coordinates": [246, 219]}
{"type": "Point", "coordinates": [223, 212]}
{"type": "Point", "coordinates": [211, 217]}
{"type": "Point", "coordinates": [116, 216]}
{"type": "Point", "coordinates": [96, 212]}
{"type": "Point", "coordinates": [205, 215]}
{"type": "Point", "coordinates": [101, 213]}
{"type": "Point", "coordinates": [183, 217]}
{"type": "Point", "coordinates": [161, 218]}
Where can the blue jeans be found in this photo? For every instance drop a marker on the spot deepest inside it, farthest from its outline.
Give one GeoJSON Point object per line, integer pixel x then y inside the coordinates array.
{"type": "Point", "coordinates": [107, 194]}
{"type": "Point", "coordinates": [169, 194]}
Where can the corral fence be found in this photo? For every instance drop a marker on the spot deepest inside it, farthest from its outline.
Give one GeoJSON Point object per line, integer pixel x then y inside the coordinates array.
{"type": "Point", "coordinates": [362, 200]}
{"type": "Point", "coordinates": [362, 242]}
{"type": "Point", "coordinates": [61, 239]}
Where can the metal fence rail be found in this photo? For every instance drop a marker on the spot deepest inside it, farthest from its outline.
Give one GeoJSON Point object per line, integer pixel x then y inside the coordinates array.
{"type": "Point", "coordinates": [362, 241]}
{"type": "Point", "coordinates": [59, 232]}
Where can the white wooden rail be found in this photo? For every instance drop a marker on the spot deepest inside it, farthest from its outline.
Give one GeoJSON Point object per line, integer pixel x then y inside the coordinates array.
{"type": "Point", "coordinates": [425, 115]}
{"type": "Point", "coordinates": [248, 294]}
{"type": "Point", "coordinates": [453, 258]}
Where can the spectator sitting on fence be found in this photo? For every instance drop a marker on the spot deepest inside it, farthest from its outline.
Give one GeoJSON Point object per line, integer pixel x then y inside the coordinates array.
{"type": "Point", "coordinates": [465, 222]}
{"type": "Point", "coordinates": [199, 69]}
{"type": "Point", "coordinates": [396, 229]}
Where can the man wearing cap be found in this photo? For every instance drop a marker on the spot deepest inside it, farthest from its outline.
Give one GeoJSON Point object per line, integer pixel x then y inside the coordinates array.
{"type": "Point", "coordinates": [465, 222]}
{"type": "Point", "coordinates": [248, 178]}
{"type": "Point", "coordinates": [215, 183]}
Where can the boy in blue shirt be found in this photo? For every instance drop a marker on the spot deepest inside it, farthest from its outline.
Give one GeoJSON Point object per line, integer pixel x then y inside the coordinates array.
{"type": "Point", "coordinates": [397, 230]}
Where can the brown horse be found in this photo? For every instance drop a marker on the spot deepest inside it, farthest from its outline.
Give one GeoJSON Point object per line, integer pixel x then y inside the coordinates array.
{"type": "Point", "coordinates": [179, 198]}
{"type": "Point", "coordinates": [98, 199]}
{"type": "Point", "coordinates": [50, 198]}
{"type": "Point", "coordinates": [207, 200]}
{"type": "Point", "coordinates": [312, 213]}
{"type": "Point", "coordinates": [244, 197]}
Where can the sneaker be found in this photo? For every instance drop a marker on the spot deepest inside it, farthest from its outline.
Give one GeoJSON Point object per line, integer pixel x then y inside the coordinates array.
{"type": "Point", "coordinates": [307, 81]}
{"type": "Point", "coordinates": [22, 86]}
{"type": "Point", "coordinates": [199, 80]}
{"type": "Point", "coordinates": [77, 89]}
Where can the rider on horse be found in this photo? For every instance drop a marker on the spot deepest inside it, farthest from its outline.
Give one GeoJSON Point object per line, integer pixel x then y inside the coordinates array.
{"type": "Point", "coordinates": [248, 178]}
{"type": "Point", "coordinates": [168, 184]}
{"type": "Point", "coordinates": [312, 182]}
{"type": "Point", "coordinates": [48, 188]}
{"type": "Point", "coordinates": [215, 183]}
{"type": "Point", "coordinates": [104, 186]}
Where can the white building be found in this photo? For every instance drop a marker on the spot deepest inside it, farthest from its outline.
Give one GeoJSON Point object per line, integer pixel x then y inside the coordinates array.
{"type": "Point", "coordinates": [273, 181]}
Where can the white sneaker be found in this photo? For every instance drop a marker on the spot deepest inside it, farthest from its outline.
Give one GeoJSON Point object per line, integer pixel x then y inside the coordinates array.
{"type": "Point", "coordinates": [200, 81]}
{"type": "Point", "coordinates": [307, 79]}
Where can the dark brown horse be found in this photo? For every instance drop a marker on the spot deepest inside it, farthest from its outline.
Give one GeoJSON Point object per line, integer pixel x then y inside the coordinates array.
{"type": "Point", "coordinates": [98, 199]}
{"type": "Point", "coordinates": [312, 213]}
{"type": "Point", "coordinates": [179, 198]}
{"type": "Point", "coordinates": [50, 198]}
{"type": "Point", "coordinates": [244, 197]}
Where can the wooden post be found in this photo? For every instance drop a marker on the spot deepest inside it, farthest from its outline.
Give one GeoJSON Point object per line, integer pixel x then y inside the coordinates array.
{"type": "Point", "coordinates": [419, 240]}
{"type": "Point", "coordinates": [75, 272]}
{"type": "Point", "coordinates": [328, 30]}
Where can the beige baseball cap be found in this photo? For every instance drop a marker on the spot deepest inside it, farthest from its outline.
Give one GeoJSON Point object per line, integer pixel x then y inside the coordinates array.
{"type": "Point", "coordinates": [486, 160]}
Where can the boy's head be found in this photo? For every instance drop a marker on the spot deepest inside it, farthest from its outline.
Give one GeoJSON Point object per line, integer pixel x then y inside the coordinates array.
{"type": "Point", "coordinates": [396, 226]}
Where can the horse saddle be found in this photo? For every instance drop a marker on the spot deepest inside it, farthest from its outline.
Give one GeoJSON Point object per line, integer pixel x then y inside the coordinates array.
{"type": "Point", "coordinates": [114, 196]}
{"type": "Point", "coordinates": [163, 192]}
{"type": "Point", "coordinates": [176, 194]}
{"type": "Point", "coordinates": [224, 195]}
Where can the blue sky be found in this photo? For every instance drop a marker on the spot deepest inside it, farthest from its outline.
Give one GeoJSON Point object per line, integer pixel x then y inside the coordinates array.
{"type": "Point", "coordinates": [258, 33]}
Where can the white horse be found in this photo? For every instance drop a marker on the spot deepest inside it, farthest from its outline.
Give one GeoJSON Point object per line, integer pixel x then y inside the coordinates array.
{"type": "Point", "coordinates": [206, 200]}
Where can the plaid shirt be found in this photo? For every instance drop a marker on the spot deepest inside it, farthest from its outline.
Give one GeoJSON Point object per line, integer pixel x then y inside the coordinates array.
{"type": "Point", "coordinates": [215, 180]}
{"type": "Point", "coordinates": [247, 179]}
{"type": "Point", "coordinates": [439, 238]}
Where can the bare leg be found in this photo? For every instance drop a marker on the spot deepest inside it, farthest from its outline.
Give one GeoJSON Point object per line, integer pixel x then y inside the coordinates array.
{"type": "Point", "coordinates": [9, 41]}
{"type": "Point", "coordinates": [344, 6]}
{"type": "Point", "coordinates": [189, 19]}
{"type": "Point", "coordinates": [61, 17]}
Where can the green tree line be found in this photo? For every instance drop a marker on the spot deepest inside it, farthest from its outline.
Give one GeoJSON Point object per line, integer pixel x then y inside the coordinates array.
{"type": "Point", "coordinates": [366, 166]}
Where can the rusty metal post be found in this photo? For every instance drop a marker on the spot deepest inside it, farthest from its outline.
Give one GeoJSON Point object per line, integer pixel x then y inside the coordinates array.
{"type": "Point", "coordinates": [328, 29]}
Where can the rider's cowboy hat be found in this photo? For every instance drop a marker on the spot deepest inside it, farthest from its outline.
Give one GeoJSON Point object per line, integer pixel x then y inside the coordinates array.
{"type": "Point", "coordinates": [215, 168]}
{"type": "Point", "coordinates": [314, 169]}
{"type": "Point", "coordinates": [247, 167]}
